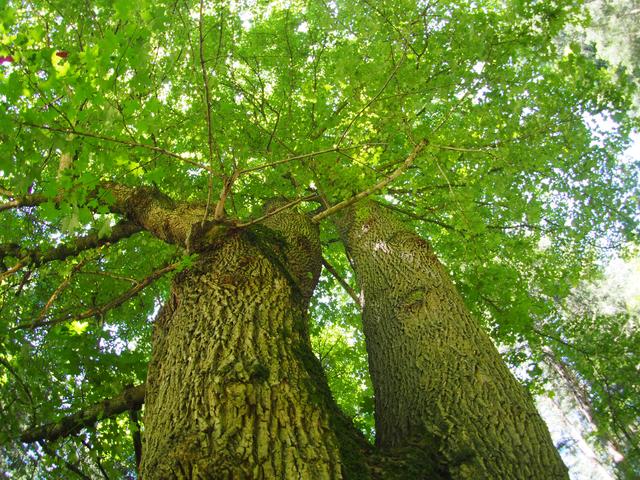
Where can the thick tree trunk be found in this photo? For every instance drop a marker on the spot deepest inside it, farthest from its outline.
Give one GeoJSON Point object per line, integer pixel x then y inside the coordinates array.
{"type": "Point", "coordinates": [439, 381]}
{"type": "Point", "coordinates": [233, 390]}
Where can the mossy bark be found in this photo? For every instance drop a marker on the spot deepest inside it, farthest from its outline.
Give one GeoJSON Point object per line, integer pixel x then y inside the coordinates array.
{"type": "Point", "coordinates": [233, 389]}
{"type": "Point", "coordinates": [439, 382]}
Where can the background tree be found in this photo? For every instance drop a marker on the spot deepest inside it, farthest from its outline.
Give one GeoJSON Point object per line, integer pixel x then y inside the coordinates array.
{"type": "Point", "coordinates": [591, 360]}
{"type": "Point", "coordinates": [228, 105]}
{"type": "Point", "coordinates": [613, 31]}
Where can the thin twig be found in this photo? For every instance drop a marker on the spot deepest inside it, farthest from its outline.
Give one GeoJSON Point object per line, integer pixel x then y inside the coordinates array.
{"type": "Point", "coordinates": [111, 275]}
{"type": "Point", "coordinates": [446, 118]}
{"type": "Point", "coordinates": [127, 143]}
{"type": "Point", "coordinates": [97, 459]}
{"type": "Point", "coordinates": [352, 293]}
{"type": "Point", "coordinates": [19, 379]}
{"type": "Point", "coordinates": [59, 290]}
{"type": "Point", "coordinates": [421, 218]}
{"type": "Point", "coordinates": [288, 159]}
{"type": "Point", "coordinates": [373, 99]}
{"type": "Point", "coordinates": [207, 96]}
{"type": "Point", "coordinates": [70, 466]}
{"type": "Point", "coordinates": [277, 210]}
{"type": "Point", "coordinates": [339, 150]}
{"type": "Point", "coordinates": [463, 149]}
{"type": "Point", "coordinates": [378, 186]}
{"type": "Point", "coordinates": [101, 310]}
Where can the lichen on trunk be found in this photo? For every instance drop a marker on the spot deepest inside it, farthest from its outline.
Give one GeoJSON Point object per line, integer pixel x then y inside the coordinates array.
{"type": "Point", "coordinates": [438, 380]}
{"type": "Point", "coordinates": [233, 389]}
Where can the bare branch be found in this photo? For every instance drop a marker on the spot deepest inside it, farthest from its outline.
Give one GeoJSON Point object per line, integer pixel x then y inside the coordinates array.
{"type": "Point", "coordinates": [378, 186]}
{"type": "Point", "coordinates": [131, 398]}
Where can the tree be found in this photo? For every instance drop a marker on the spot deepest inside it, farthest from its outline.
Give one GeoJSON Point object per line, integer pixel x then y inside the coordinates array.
{"type": "Point", "coordinates": [207, 157]}
{"type": "Point", "coordinates": [594, 362]}
{"type": "Point", "coordinates": [610, 30]}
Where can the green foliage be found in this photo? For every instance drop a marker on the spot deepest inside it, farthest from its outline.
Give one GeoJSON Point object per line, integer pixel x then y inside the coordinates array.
{"type": "Point", "coordinates": [518, 190]}
{"type": "Point", "coordinates": [593, 344]}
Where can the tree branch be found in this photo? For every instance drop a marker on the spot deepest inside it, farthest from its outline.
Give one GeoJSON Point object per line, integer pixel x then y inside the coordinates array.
{"type": "Point", "coordinates": [24, 201]}
{"type": "Point", "coordinates": [207, 96]}
{"type": "Point", "coordinates": [419, 217]}
{"type": "Point", "coordinates": [65, 283]}
{"type": "Point", "coordinates": [378, 186]}
{"type": "Point", "coordinates": [289, 159]}
{"type": "Point", "coordinates": [39, 257]}
{"type": "Point", "coordinates": [352, 293]}
{"type": "Point", "coordinates": [373, 99]}
{"type": "Point", "coordinates": [147, 207]}
{"type": "Point", "coordinates": [131, 398]}
{"type": "Point", "coordinates": [70, 466]}
{"type": "Point", "coordinates": [101, 310]}
{"type": "Point", "coordinates": [218, 213]}
{"type": "Point", "coordinates": [136, 437]}
{"type": "Point", "coordinates": [18, 378]}
{"type": "Point", "coordinates": [277, 210]}
{"type": "Point", "coordinates": [127, 143]}
{"type": "Point", "coordinates": [13, 269]}
{"type": "Point", "coordinates": [304, 156]}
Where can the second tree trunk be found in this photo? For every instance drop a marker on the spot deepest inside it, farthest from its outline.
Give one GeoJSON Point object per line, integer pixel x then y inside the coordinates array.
{"type": "Point", "coordinates": [440, 385]}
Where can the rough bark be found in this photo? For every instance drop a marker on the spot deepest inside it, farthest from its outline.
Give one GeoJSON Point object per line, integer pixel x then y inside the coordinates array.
{"type": "Point", "coordinates": [154, 211]}
{"type": "Point", "coordinates": [233, 389]}
{"type": "Point", "coordinates": [439, 382]}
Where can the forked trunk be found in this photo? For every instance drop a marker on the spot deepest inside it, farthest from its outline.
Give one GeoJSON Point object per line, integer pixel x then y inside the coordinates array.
{"type": "Point", "coordinates": [234, 391]}
{"type": "Point", "coordinates": [440, 385]}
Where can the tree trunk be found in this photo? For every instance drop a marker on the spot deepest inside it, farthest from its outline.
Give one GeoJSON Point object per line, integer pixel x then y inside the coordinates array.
{"type": "Point", "coordinates": [233, 389]}
{"type": "Point", "coordinates": [438, 380]}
